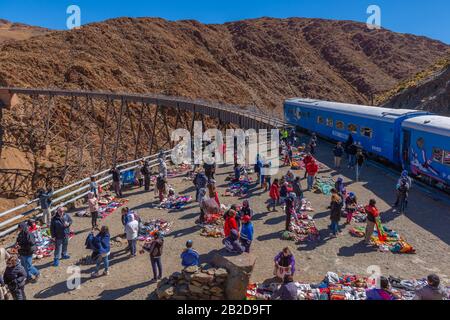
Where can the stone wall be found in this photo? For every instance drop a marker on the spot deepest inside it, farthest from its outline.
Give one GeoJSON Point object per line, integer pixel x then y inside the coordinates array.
{"type": "Point", "coordinates": [194, 283]}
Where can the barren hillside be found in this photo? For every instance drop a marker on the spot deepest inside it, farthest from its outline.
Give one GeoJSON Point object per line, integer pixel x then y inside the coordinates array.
{"type": "Point", "coordinates": [18, 31]}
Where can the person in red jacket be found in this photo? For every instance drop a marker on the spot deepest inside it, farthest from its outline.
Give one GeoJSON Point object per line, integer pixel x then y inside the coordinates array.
{"type": "Point", "coordinates": [274, 194]}
{"type": "Point", "coordinates": [372, 214]}
{"type": "Point", "coordinates": [307, 159]}
{"type": "Point", "coordinates": [311, 169]}
{"type": "Point", "coordinates": [230, 223]}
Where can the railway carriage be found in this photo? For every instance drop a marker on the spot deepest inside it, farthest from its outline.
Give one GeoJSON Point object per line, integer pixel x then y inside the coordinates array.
{"type": "Point", "coordinates": [426, 148]}
{"type": "Point", "coordinates": [376, 130]}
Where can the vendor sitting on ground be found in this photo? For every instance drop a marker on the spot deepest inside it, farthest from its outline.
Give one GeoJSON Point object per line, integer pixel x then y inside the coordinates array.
{"type": "Point", "coordinates": [383, 293]}
{"type": "Point", "coordinates": [432, 291]}
{"type": "Point", "coordinates": [232, 243]}
{"type": "Point", "coordinates": [189, 257]}
{"type": "Point", "coordinates": [284, 264]}
{"type": "Point", "coordinates": [247, 233]}
{"type": "Point", "coordinates": [287, 291]}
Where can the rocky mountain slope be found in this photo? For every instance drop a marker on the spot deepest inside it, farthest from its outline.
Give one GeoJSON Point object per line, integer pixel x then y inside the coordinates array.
{"type": "Point", "coordinates": [429, 90]}
{"type": "Point", "coordinates": [258, 62]}
{"type": "Point", "coordinates": [18, 31]}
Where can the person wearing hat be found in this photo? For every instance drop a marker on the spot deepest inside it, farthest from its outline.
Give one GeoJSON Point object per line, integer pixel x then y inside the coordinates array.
{"type": "Point", "coordinates": [60, 232]}
{"type": "Point", "coordinates": [246, 232]}
{"type": "Point", "coordinates": [27, 247]}
{"type": "Point", "coordinates": [15, 277]}
{"type": "Point", "coordinates": [432, 291]}
{"type": "Point", "coordinates": [155, 249]}
{"type": "Point", "coordinates": [189, 257]}
{"type": "Point", "coordinates": [290, 209]}
{"type": "Point", "coordinates": [383, 293]}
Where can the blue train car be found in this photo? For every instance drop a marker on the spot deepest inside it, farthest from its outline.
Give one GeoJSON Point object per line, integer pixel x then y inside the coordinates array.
{"type": "Point", "coordinates": [376, 130]}
{"type": "Point", "coordinates": [426, 148]}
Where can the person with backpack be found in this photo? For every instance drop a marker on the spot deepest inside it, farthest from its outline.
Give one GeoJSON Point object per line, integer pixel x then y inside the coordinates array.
{"type": "Point", "coordinates": [102, 250]}
{"type": "Point", "coordinates": [45, 202]}
{"type": "Point", "coordinates": [403, 191]}
{"type": "Point", "coordinates": [15, 278]}
{"type": "Point", "coordinates": [404, 176]}
{"type": "Point", "coordinates": [338, 152]}
{"type": "Point", "coordinates": [311, 169]}
{"type": "Point", "coordinates": [60, 232]}
{"type": "Point", "coordinates": [27, 247]}
{"type": "Point", "coordinates": [155, 249]}
{"type": "Point", "coordinates": [189, 257]}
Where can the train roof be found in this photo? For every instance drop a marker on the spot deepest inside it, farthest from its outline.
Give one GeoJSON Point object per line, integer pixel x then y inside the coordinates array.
{"type": "Point", "coordinates": [430, 123]}
{"type": "Point", "coordinates": [354, 109]}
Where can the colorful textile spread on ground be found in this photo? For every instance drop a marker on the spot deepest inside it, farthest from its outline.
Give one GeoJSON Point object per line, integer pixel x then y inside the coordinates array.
{"type": "Point", "coordinates": [213, 226]}
{"type": "Point", "coordinates": [109, 204]}
{"type": "Point", "coordinates": [302, 228]}
{"type": "Point", "coordinates": [334, 287]}
{"type": "Point", "coordinates": [148, 230]}
{"type": "Point", "coordinates": [179, 170]}
{"type": "Point", "coordinates": [393, 241]}
{"type": "Point", "coordinates": [359, 216]}
{"type": "Point", "coordinates": [44, 243]}
{"type": "Point", "coordinates": [176, 202]}
{"type": "Point", "coordinates": [238, 189]}
{"type": "Point", "coordinates": [323, 185]}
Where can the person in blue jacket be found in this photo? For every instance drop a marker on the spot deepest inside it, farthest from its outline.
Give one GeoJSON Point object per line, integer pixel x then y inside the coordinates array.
{"type": "Point", "coordinates": [102, 250]}
{"type": "Point", "coordinates": [189, 257]}
{"type": "Point", "coordinates": [247, 232]}
{"type": "Point", "coordinates": [60, 231]}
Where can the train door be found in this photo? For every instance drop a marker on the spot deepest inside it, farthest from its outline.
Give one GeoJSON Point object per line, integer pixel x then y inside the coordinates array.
{"type": "Point", "coordinates": [406, 144]}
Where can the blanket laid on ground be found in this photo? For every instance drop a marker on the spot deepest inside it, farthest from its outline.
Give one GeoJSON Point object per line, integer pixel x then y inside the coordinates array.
{"type": "Point", "coordinates": [148, 229]}
{"type": "Point", "coordinates": [238, 188]}
{"type": "Point", "coordinates": [391, 241]}
{"type": "Point", "coordinates": [176, 202]}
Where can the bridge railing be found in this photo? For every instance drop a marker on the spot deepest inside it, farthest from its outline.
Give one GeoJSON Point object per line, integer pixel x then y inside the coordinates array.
{"type": "Point", "coordinates": [69, 194]}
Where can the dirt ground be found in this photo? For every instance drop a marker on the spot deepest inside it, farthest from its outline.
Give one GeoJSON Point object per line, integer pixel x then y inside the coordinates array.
{"type": "Point", "coordinates": [425, 226]}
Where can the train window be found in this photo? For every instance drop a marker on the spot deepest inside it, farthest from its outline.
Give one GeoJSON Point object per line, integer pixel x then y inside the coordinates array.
{"type": "Point", "coordinates": [447, 158]}
{"type": "Point", "coordinates": [366, 132]}
{"type": "Point", "coordinates": [320, 120]}
{"type": "Point", "coordinates": [340, 125]}
{"type": "Point", "coordinates": [438, 154]}
{"type": "Point", "coordinates": [352, 128]}
{"type": "Point", "coordinates": [330, 122]}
